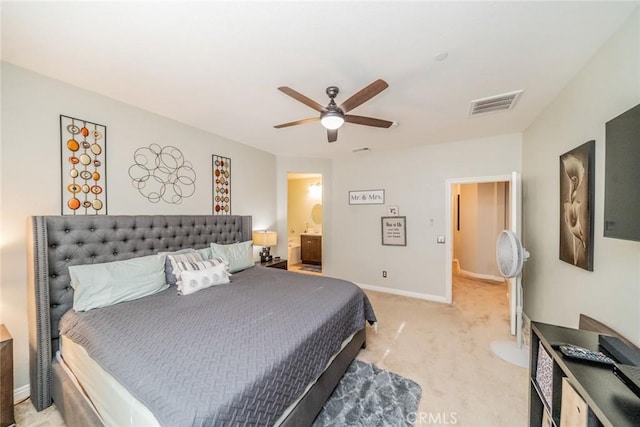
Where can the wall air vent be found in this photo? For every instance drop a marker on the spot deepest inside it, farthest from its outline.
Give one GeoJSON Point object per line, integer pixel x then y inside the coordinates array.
{"type": "Point", "coordinates": [506, 101]}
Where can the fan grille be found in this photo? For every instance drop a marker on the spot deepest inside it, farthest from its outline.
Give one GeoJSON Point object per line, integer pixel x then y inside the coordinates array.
{"type": "Point", "coordinates": [509, 254]}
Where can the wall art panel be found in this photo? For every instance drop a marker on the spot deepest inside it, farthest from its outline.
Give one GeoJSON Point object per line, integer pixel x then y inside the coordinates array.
{"type": "Point", "coordinates": [83, 147]}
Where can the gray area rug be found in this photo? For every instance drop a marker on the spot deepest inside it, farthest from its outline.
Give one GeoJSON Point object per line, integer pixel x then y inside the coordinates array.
{"type": "Point", "coordinates": [370, 396]}
{"type": "Point", "coordinates": [314, 268]}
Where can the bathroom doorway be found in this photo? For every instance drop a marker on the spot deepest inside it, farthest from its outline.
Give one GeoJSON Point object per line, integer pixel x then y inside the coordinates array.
{"type": "Point", "coordinates": [304, 222]}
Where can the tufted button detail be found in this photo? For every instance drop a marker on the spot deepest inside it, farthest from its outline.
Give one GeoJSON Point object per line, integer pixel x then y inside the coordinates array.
{"type": "Point", "coordinates": [67, 259]}
{"type": "Point", "coordinates": [66, 230]}
{"type": "Point", "coordinates": [54, 275]}
{"type": "Point", "coordinates": [104, 242]}
{"type": "Point", "coordinates": [79, 243]}
{"type": "Point", "coordinates": [53, 246]}
{"type": "Point", "coordinates": [115, 253]}
{"type": "Point", "coordinates": [92, 229]}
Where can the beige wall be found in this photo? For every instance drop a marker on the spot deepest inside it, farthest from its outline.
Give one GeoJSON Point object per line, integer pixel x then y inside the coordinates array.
{"type": "Point", "coordinates": [30, 174]}
{"type": "Point", "coordinates": [300, 204]}
{"type": "Point", "coordinates": [482, 219]}
{"type": "Point", "coordinates": [286, 165]}
{"type": "Point", "coordinates": [554, 291]}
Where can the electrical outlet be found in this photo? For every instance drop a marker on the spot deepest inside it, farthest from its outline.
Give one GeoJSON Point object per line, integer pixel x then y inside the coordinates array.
{"type": "Point", "coordinates": [384, 273]}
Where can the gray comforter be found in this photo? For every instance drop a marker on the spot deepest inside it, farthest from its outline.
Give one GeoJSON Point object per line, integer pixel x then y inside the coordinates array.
{"type": "Point", "coordinates": [236, 354]}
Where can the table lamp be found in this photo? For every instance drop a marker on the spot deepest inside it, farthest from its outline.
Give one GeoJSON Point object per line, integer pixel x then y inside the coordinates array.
{"type": "Point", "coordinates": [265, 239]}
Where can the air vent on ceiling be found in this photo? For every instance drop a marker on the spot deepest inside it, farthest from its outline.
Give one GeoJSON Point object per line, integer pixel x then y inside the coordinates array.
{"type": "Point", "coordinates": [506, 101]}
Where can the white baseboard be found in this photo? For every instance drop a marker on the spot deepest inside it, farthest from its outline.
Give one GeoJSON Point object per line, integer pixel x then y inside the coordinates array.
{"type": "Point", "coordinates": [21, 393]}
{"type": "Point", "coordinates": [410, 294]}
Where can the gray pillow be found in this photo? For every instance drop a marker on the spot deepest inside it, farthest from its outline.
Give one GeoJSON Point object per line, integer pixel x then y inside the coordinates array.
{"type": "Point", "coordinates": [168, 268]}
{"type": "Point", "coordinates": [173, 260]}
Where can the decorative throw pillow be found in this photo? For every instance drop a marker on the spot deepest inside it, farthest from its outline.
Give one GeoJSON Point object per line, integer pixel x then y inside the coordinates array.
{"type": "Point", "coordinates": [195, 280]}
{"type": "Point", "coordinates": [198, 265]}
{"type": "Point", "coordinates": [173, 274]}
{"type": "Point", "coordinates": [239, 256]}
{"type": "Point", "coordinates": [168, 268]}
{"type": "Point", "coordinates": [104, 284]}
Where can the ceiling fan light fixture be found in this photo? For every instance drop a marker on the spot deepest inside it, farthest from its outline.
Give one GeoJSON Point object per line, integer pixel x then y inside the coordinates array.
{"type": "Point", "coordinates": [332, 119]}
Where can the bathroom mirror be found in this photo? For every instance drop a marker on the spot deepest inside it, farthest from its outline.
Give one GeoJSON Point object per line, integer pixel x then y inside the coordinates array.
{"type": "Point", "coordinates": [316, 213]}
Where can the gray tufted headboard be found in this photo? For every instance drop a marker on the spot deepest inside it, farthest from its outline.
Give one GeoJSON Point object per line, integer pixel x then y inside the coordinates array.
{"type": "Point", "coordinates": [56, 242]}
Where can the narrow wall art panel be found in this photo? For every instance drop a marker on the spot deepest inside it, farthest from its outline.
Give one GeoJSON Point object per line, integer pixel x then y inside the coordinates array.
{"type": "Point", "coordinates": [83, 147]}
{"type": "Point", "coordinates": [576, 205]}
{"type": "Point", "coordinates": [221, 185]}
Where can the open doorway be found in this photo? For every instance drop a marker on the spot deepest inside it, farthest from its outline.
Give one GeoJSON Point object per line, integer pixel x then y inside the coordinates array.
{"type": "Point", "coordinates": [304, 222]}
{"type": "Point", "coordinates": [475, 215]}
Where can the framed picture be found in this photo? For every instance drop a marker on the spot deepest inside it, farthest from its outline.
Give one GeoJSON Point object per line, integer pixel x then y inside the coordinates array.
{"type": "Point", "coordinates": [366, 197]}
{"type": "Point", "coordinates": [83, 159]}
{"type": "Point", "coordinates": [221, 185]}
{"type": "Point", "coordinates": [576, 205]}
{"type": "Point", "coordinates": [394, 230]}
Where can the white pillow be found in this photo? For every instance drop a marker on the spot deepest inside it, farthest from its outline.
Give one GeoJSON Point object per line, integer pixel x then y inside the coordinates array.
{"type": "Point", "coordinates": [238, 256]}
{"type": "Point", "coordinates": [195, 280]}
{"type": "Point", "coordinates": [183, 266]}
{"type": "Point", "coordinates": [105, 284]}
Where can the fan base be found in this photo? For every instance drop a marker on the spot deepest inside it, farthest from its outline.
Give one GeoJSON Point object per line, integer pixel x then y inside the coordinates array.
{"type": "Point", "coordinates": [509, 351]}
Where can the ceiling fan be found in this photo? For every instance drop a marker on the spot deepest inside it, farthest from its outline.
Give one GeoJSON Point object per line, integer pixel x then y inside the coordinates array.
{"type": "Point", "coordinates": [332, 116]}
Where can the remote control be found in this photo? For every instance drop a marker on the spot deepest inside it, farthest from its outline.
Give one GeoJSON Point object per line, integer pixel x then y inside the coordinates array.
{"type": "Point", "coordinates": [580, 353]}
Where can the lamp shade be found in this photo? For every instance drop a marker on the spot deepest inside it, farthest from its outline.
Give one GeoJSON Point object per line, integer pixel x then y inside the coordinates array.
{"type": "Point", "coordinates": [265, 238]}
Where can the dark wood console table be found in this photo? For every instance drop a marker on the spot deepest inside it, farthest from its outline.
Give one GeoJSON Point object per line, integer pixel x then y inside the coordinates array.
{"type": "Point", "coordinates": [610, 402]}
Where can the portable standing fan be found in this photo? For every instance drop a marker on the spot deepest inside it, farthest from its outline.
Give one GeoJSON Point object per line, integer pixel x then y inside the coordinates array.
{"type": "Point", "coordinates": [510, 256]}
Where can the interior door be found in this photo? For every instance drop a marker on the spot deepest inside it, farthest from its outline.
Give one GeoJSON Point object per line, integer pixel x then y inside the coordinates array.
{"type": "Point", "coordinates": [516, 227]}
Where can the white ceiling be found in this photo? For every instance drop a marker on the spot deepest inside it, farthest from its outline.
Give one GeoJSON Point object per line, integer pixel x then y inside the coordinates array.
{"type": "Point", "coordinates": [217, 65]}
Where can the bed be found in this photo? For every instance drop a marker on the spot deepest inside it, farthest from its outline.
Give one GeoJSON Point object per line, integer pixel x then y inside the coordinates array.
{"type": "Point", "coordinates": [286, 385]}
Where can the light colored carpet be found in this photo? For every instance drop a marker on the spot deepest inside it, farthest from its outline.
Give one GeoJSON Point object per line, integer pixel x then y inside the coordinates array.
{"type": "Point", "coordinates": [443, 348]}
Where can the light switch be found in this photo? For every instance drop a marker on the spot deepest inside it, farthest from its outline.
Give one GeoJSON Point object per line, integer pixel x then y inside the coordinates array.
{"type": "Point", "coordinates": [440, 239]}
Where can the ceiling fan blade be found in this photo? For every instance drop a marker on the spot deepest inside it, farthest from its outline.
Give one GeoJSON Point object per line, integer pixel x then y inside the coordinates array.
{"type": "Point", "coordinates": [297, 122]}
{"type": "Point", "coordinates": [300, 97]}
{"type": "Point", "coordinates": [364, 95]}
{"type": "Point", "coordinates": [332, 135]}
{"type": "Point", "coordinates": [367, 121]}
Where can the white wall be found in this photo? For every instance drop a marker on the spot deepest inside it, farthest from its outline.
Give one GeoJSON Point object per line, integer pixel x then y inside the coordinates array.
{"type": "Point", "coordinates": [557, 292]}
{"type": "Point", "coordinates": [414, 180]}
{"type": "Point", "coordinates": [30, 174]}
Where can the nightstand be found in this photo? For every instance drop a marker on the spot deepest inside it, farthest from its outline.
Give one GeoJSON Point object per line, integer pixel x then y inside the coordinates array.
{"type": "Point", "coordinates": [6, 378]}
{"type": "Point", "coordinates": [276, 263]}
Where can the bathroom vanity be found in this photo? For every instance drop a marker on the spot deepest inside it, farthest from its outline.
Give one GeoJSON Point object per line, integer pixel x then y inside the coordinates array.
{"type": "Point", "coordinates": [311, 249]}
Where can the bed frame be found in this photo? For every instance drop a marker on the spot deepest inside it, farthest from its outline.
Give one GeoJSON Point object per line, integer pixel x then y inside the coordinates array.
{"type": "Point", "coordinates": [57, 242]}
